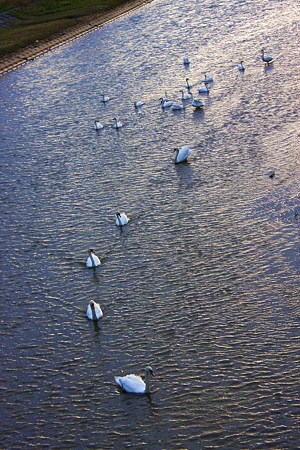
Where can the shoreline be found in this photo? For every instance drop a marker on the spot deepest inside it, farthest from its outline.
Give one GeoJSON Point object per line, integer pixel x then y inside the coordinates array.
{"type": "Point", "coordinates": [89, 23]}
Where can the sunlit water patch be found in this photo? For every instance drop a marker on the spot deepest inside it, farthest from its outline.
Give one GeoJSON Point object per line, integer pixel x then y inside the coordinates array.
{"type": "Point", "coordinates": [203, 283]}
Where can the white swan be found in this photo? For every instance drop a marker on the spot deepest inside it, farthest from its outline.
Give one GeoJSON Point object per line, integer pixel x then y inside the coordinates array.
{"type": "Point", "coordinates": [185, 95]}
{"type": "Point", "coordinates": [98, 125]}
{"type": "Point", "coordinates": [182, 154]}
{"type": "Point", "coordinates": [134, 383]}
{"type": "Point", "coordinates": [165, 103]}
{"type": "Point", "coordinates": [207, 79]}
{"type": "Point", "coordinates": [185, 60]}
{"type": "Point", "coordinates": [204, 89]}
{"type": "Point", "coordinates": [138, 104]}
{"type": "Point", "coordinates": [266, 58]}
{"type": "Point", "coordinates": [241, 66]}
{"type": "Point", "coordinates": [177, 107]}
{"type": "Point", "coordinates": [188, 85]}
{"type": "Point", "coordinates": [197, 103]}
{"type": "Point", "coordinates": [93, 260]}
{"type": "Point", "coordinates": [121, 219]}
{"type": "Point", "coordinates": [271, 173]}
{"type": "Point", "coordinates": [94, 311]}
{"type": "Point", "coordinates": [105, 98]}
{"type": "Point", "coordinates": [117, 124]}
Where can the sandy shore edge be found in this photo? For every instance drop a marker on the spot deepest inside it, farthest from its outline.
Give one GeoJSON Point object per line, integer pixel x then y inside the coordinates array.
{"type": "Point", "coordinates": [89, 23]}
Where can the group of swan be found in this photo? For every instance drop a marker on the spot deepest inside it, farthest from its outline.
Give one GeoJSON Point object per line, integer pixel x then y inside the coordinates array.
{"type": "Point", "coordinates": [266, 59]}
{"type": "Point", "coordinates": [94, 311]}
{"type": "Point", "coordinates": [134, 383]}
{"type": "Point", "coordinates": [166, 103]}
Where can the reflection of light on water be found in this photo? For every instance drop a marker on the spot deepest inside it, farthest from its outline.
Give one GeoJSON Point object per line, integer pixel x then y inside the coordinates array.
{"type": "Point", "coordinates": [196, 281]}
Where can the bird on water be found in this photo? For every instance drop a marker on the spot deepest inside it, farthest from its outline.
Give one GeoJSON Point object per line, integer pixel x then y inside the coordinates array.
{"type": "Point", "coordinates": [94, 311]}
{"type": "Point", "coordinates": [134, 383]}
{"type": "Point", "coordinates": [266, 58]}
{"type": "Point", "coordinates": [93, 260]}
{"type": "Point", "coordinates": [182, 153]}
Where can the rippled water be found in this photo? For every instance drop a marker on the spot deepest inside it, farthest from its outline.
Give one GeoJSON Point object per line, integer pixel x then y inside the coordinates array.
{"type": "Point", "coordinates": [203, 284]}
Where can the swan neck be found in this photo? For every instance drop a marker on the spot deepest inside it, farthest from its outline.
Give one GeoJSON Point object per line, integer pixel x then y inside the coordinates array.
{"type": "Point", "coordinates": [147, 388]}
{"type": "Point", "coordinates": [119, 220]}
{"type": "Point", "coordinates": [92, 259]}
{"type": "Point", "coordinates": [94, 313]}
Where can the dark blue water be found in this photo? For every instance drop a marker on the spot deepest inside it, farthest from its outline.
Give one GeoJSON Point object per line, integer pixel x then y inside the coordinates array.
{"type": "Point", "coordinates": [203, 283]}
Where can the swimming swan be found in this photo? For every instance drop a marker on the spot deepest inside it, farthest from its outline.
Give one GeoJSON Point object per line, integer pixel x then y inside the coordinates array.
{"type": "Point", "coordinates": [138, 104]}
{"type": "Point", "coordinates": [165, 103]}
{"type": "Point", "coordinates": [98, 125]}
{"type": "Point", "coordinates": [185, 95]}
{"type": "Point", "coordinates": [177, 107]}
{"type": "Point", "coordinates": [267, 59]}
{"type": "Point", "coordinates": [121, 219]}
{"type": "Point", "coordinates": [93, 260]}
{"type": "Point", "coordinates": [182, 154]}
{"type": "Point", "coordinates": [204, 89]}
{"type": "Point", "coordinates": [207, 79]}
{"type": "Point", "coordinates": [105, 98]}
{"type": "Point", "coordinates": [197, 104]}
{"type": "Point", "coordinates": [117, 124]}
{"type": "Point", "coordinates": [134, 383]}
{"type": "Point", "coordinates": [188, 85]}
{"type": "Point", "coordinates": [241, 66]}
{"type": "Point", "coordinates": [94, 311]}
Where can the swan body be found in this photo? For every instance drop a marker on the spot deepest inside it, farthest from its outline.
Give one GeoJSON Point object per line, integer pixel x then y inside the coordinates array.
{"type": "Point", "coordinates": [198, 104]}
{"type": "Point", "coordinates": [185, 95]}
{"type": "Point", "coordinates": [93, 260]}
{"type": "Point", "coordinates": [177, 107]}
{"type": "Point", "coordinates": [266, 58]}
{"type": "Point", "coordinates": [121, 219]}
{"type": "Point", "coordinates": [94, 311]}
{"type": "Point", "coordinates": [134, 383]}
{"type": "Point", "coordinates": [117, 124]}
{"type": "Point", "coordinates": [204, 89]}
{"type": "Point", "coordinates": [241, 66]}
{"type": "Point", "coordinates": [188, 85]}
{"type": "Point", "coordinates": [98, 125]}
{"type": "Point", "coordinates": [182, 154]}
{"type": "Point", "coordinates": [165, 103]}
{"type": "Point", "coordinates": [207, 79]}
{"type": "Point", "coordinates": [138, 104]}
{"type": "Point", "coordinates": [105, 98]}
{"type": "Point", "coordinates": [185, 60]}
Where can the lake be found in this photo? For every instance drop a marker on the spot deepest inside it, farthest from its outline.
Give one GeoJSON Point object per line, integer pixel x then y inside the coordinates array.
{"type": "Point", "coordinates": [203, 283]}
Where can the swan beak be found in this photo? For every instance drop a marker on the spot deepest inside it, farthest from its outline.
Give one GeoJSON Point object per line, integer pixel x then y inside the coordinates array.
{"type": "Point", "coordinates": [152, 373]}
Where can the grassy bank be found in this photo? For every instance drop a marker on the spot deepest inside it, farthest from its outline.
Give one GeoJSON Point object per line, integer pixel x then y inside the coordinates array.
{"type": "Point", "coordinates": [26, 22]}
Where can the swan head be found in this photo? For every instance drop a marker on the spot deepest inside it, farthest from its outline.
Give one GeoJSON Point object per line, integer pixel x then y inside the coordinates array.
{"type": "Point", "coordinates": [92, 304]}
{"type": "Point", "coordinates": [150, 370]}
{"type": "Point", "coordinates": [118, 214]}
{"type": "Point", "coordinates": [91, 250]}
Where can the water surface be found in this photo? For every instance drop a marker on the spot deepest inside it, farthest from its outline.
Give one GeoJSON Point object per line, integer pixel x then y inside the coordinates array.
{"type": "Point", "coordinates": [203, 284]}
